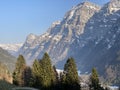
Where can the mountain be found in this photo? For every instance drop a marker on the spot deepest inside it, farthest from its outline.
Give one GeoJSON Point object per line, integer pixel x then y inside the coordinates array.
{"type": "Point", "coordinates": [96, 31]}
{"type": "Point", "coordinates": [7, 59]}
{"type": "Point", "coordinates": [11, 48]}
{"type": "Point", "coordinates": [88, 33]}
{"type": "Point", "coordinates": [58, 38]}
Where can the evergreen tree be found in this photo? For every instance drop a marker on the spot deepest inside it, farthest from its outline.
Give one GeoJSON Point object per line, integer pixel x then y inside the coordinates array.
{"type": "Point", "coordinates": [62, 80]}
{"type": "Point", "coordinates": [95, 85]}
{"type": "Point", "coordinates": [56, 75]}
{"type": "Point", "coordinates": [18, 78]}
{"type": "Point", "coordinates": [71, 75]}
{"type": "Point", "coordinates": [48, 74]}
{"type": "Point", "coordinates": [28, 77]}
{"type": "Point", "coordinates": [37, 74]}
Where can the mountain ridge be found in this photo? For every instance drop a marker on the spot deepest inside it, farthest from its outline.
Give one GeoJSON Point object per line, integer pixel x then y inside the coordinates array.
{"type": "Point", "coordinates": [60, 34]}
{"type": "Point", "coordinates": [88, 33]}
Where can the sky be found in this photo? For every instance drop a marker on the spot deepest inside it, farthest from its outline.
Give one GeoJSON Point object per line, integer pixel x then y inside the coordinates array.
{"type": "Point", "coordinates": [19, 18]}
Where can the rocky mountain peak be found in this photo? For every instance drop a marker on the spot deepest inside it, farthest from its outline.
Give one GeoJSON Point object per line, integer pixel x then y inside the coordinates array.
{"type": "Point", "coordinates": [30, 38]}
{"type": "Point", "coordinates": [112, 6]}
{"type": "Point", "coordinates": [80, 9]}
{"type": "Point", "coordinates": [87, 3]}
{"type": "Point", "coordinates": [55, 23]}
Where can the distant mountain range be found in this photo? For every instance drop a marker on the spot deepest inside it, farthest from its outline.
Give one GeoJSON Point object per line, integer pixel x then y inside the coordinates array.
{"type": "Point", "coordinates": [11, 48]}
{"type": "Point", "coordinates": [89, 33]}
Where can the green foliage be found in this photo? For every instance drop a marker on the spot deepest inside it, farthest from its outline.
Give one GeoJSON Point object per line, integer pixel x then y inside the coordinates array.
{"type": "Point", "coordinates": [28, 77]}
{"type": "Point", "coordinates": [95, 84]}
{"type": "Point", "coordinates": [18, 78]}
{"type": "Point", "coordinates": [5, 85]}
{"type": "Point", "coordinates": [56, 75]}
{"type": "Point", "coordinates": [37, 74]}
{"type": "Point", "coordinates": [44, 74]}
{"type": "Point", "coordinates": [48, 74]}
{"type": "Point", "coordinates": [71, 76]}
{"type": "Point", "coordinates": [94, 77]}
{"type": "Point", "coordinates": [71, 72]}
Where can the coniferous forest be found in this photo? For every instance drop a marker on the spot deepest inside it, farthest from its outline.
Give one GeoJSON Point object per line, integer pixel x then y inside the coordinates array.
{"type": "Point", "coordinates": [42, 75]}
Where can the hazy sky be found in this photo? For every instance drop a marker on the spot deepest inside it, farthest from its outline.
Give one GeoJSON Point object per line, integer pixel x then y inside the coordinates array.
{"type": "Point", "coordinates": [18, 18]}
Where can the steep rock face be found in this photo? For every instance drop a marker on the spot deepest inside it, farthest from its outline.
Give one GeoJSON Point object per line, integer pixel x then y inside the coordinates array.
{"type": "Point", "coordinates": [89, 44]}
{"type": "Point", "coordinates": [57, 40]}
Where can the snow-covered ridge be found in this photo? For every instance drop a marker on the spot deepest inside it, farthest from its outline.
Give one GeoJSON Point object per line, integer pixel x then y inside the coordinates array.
{"type": "Point", "coordinates": [11, 48]}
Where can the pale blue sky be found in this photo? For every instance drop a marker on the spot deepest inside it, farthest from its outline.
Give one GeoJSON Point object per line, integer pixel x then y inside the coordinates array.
{"type": "Point", "coordinates": [18, 18]}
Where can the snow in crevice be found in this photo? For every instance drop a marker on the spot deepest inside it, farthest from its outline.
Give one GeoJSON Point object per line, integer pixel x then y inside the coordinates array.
{"type": "Point", "coordinates": [57, 38]}
{"type": "Point", "coordinates": [71, 14]}
{"type": "Point", "coordinates": [109, 46]}
{"type": "Point", "coordinates": [105, 20]}
{"type": "Point", "coordinates": [118, 14]}
{"type": "Point", "coordinates": [96, 42]}
{"type": "Point", "coordinates": [91, 27]}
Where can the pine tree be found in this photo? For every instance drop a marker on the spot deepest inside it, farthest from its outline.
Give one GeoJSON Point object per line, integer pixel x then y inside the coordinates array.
{"type": "Point", "coordinates": [95, 84]}
{"type": "Point", "coordinates": [71, 75]}
{"type": "Point", "coordinates": [18, 72]}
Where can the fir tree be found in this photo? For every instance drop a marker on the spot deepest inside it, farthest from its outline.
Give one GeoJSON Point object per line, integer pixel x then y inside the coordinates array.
{"type": "Point", "coordinates": [28, 77]}
{"type": "Point", "coordinates": [62, 80]}
{"type": "Point", "coordinates": [95, 84]}
{"type": "Point", "coordinates": [37, 74]}
{"type": "Point", "coordinates": [18, 72]}
{"type": "Point", "coordinates": [56, 74]}
{"type": "Point", "coordinates": [71, 75]}
{"type": "Point", "coordinates": [48, 74]}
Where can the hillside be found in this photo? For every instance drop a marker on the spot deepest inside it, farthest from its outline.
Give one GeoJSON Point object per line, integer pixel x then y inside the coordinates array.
{"type": "Point", "coordinates": [5, 74]}
{"type": "Point", "coordinates": [7, 59]}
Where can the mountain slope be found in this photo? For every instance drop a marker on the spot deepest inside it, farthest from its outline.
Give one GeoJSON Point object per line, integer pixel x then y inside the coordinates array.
{"type": "Point", "coordinates": [96, 31]}
{"type": "Point", "coordinates": [57, 40]}
{"type": "Point", "coordinates": [7, 59]}
{"type": "Point", "coordinates": [5, 74]}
